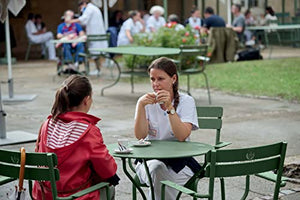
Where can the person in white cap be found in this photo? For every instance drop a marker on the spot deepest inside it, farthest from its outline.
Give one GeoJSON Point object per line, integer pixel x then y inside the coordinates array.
{"type": "Point", "coordinates": [155, 21]}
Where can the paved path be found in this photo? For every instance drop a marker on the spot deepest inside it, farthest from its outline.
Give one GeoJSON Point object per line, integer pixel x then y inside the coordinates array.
{"type": "Point", "coordinates": [247, 121]}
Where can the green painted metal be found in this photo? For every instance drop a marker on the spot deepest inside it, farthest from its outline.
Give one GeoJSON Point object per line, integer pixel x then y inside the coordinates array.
{"type": "Point", "coordinates": [165, 4]}
{"type": "Point", "coordinates": [211, 118]}
{"type": "Point", "coordinates": [230, 162]}
{"type": "Point", "coordinates": [10, 167]}
{"type": "Point", "coordinates": [283, 11]}
{"type": "Point", "coordinates": [199, 53]}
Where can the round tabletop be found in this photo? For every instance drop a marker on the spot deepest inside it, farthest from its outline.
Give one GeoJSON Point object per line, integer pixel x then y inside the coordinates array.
{"type": "Point", "coordinates": [160, 149]}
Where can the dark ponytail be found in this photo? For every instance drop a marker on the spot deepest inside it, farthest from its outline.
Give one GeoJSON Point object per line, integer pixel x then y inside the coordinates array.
{"type": "Point", "coordinates": [168, 66]}
{"type": "Point", "coordinates": [71, 93]}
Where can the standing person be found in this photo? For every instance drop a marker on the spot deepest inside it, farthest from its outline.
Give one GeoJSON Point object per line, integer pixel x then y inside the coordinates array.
{"type": "Point", "coordinates": [92, 19]}
{"type": "Point", "coordinates": [238, 24]}
{"type": "Point", "coordinates": [155, 21]}
{"type": "Point", "coordinates": [40, 36]}
{"type": "Point", "coordinates": [73, 136]}
{"type": "Point", "coordinates": [165, 114]}
{"type": "Point", "coordinates": [133, 25]}
{"type": "Point", "coordinates": [70, 31]}
{"type": "Point", "coordinates": [211, 20]}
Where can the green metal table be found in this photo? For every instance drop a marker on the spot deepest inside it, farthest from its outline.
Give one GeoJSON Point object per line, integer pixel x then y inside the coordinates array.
{"type": "Point", "coordinates": [135, 51]}
{"type": "Point", "coordinates": [159, 150]}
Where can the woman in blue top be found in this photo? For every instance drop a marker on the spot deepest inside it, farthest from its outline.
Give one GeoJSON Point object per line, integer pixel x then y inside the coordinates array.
{"type": "Point", "coordinates": [165, 114]}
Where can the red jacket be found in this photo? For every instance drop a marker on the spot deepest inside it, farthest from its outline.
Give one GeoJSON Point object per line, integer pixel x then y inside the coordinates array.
{"type": "Point", "coordinates": [83, 158]}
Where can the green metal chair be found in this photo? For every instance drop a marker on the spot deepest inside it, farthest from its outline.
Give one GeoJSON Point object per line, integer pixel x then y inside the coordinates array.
{"type": "Point", "coordinates": [10, 167]}
{"type": "Point", "coordinates": [211, 118]}
{"type": "Point", "coordinates": [238, 162]}
{"type": "Point", "coordinates": [88, 54]}
{"type": "Point", "coordinates": [196, 56]}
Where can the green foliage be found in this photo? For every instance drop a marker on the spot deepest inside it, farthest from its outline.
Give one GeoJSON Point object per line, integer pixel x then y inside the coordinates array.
{"type": "Point", "coordinates": [166, 36]}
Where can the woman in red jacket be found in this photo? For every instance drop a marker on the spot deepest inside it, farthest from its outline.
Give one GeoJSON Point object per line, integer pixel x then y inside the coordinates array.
{"type": "Point", "coordinates": [73, 136]}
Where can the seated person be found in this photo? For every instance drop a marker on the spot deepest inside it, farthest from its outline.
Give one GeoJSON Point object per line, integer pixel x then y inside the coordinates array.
{"type": "Point", "coordinates": [40, 26]}
{"type": "Point", "coordinates": [211, 20]}
{"type": "Point", "coordinates": [72, 134]}
{"type": "Point", "coordinates": [40, 36]}
{"type": "Point", "coordinates": [155, 21]}
{"type": "Point", "coordinates": [67, 31]}
{"type": "Point", "coordinates": [174, 20]}
{"type": "Point", "coordinates": [133, 25]}
{"type": "Point", "coordinates": [165, 114]}
{"type": "Point", "coordinates": [238, 24]}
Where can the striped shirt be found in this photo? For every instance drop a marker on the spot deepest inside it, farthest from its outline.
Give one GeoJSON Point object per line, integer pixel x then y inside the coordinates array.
{"type": "Point", "coordinates": [61, 134]}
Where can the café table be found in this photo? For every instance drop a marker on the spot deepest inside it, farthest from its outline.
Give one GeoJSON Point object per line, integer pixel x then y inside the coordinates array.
{"type": "Point", "coordinates": [135, 51]}
{"type": "Point", "coordinates": [158, 149]}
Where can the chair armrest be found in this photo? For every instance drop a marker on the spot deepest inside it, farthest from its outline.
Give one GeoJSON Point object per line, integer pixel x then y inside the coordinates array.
{"type": "Point", "coordinates": [204, 58]}
{"type": "Point", "coordinates": [90, 189]}
{"type": "Point", "coordinates": [271, 176]}
{"type": "Point", "coordinates": [83, 54]}
{"type": "Point", "coordinates": [221, 145]}
{"type": "Point", "coordinates": [175, 61]}
{"type": "Point", "coordinates": [178, 187]}
{"type": "Point", "coordinates": [4, 179]}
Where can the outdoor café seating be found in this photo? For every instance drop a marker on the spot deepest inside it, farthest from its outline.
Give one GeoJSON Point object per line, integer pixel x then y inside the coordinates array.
{"type": "Point", "coordinates": [237, 162]}
{"type": "Point", "coordinates": [208, 118]}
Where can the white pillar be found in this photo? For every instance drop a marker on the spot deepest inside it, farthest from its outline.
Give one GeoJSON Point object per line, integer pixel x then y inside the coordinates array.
{"type": "Point", "coordinates": [229, 12]}
{"type": "Point", "coordinates": [105, 10]}
{"type": "Point", "coordinates": [8, 57]}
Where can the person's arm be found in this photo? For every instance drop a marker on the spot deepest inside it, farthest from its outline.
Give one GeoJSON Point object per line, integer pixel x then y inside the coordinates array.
{"type": "Point", "coordinates": [128, 34]}
{"type": "Point", "coordinates": [141, 126]}
{"type": "Point", "coordinates": [181, 130]}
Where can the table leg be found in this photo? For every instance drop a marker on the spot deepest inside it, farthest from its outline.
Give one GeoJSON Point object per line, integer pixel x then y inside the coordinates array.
{"type": "Point", "coordinates": [149, 178]}
{"type": "Point", "coordinates": [131, 75]}
{"type": "Point", "coordinates": [132, 179]}
{"type": "Point", "coordinates": [117, 79]}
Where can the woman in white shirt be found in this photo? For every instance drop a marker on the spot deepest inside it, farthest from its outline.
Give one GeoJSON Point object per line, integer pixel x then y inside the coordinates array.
{"type": "Point", "coordinates": [133, 25]}
{"type": "Point", "coordinates": [165, 114]}
{"type": "Point", "coordinates": [155, 21]}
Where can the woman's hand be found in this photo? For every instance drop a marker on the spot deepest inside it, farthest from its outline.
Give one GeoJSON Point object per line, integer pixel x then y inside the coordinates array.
{"type": "Point", "coordinates": [148, 98]}
{"type": "Point", "coordinates": [164, 97]}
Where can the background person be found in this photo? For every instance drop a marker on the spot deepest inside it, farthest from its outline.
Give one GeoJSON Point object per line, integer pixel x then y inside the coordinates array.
{"type": "Point", "coordinates": [38, 37]}
{"type": "Point", "coordinates": [73, 136]}
{"type": "Point", "coordinates": [155, 21]}
{"type": "Point", "coordinates": [133, 25]}
{"type": "Point", "coordinates": [174, 119]}
{"type": "Point", "coordinates": [92, 19]}
{"type": "Point", "coordinates": [211, 20]}
{"type": "Point", "coordinates": [70, 31]}
{"type": "Point", "coordinates": [174, 19]}
{"type": "Point", "coordinates": [238, 24]}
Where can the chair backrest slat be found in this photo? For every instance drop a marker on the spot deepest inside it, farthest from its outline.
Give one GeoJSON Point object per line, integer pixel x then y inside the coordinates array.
{"type": "Point", "coordinates": [193, 50]}
{"type": "Point", "coordinates": [210, 118]}
{"type": "Point", "coordinates": [244, 154]}
{"type": "Point", "coordinates": [103, 37]}
{"type": "Point", "coordinates": [245, 168]}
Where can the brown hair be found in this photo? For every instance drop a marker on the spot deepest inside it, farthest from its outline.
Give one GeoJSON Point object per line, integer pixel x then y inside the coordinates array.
{"type": "Point", "coordinates": [170, 68]}
{"type": "Point", "coordinates": [71, 93]}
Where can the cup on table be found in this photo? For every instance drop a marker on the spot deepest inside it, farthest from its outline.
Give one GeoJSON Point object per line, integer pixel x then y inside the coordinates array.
{"type": "Point", "coordinates": [123, 144]}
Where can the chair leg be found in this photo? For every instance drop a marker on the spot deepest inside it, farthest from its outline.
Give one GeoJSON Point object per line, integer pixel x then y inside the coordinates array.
{"type": "Point", "coordinates": [27, 52]}
{"type": "Point", "coordinates": [207, 87]}
{"type": "Point", "coordinates": [133, 192]}
{"type": "Point", "coordinates": [222, 182]}
{"type": "Point", "coordinates": [188, 84]}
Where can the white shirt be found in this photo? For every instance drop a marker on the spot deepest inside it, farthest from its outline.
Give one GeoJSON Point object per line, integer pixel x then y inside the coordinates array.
{"type": "Point", "coordinates": [193, 22]}
{"type": "Point", "coordinates": [30, 29]}
{"type": "Point", "coordinates": [93, 21]}
{"type": "Point", "coordinates": [134, 28]}
{"type": "Point", "coordinates": [159, 124]}
{"type": "Point", "coordinates": [152, 22]}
